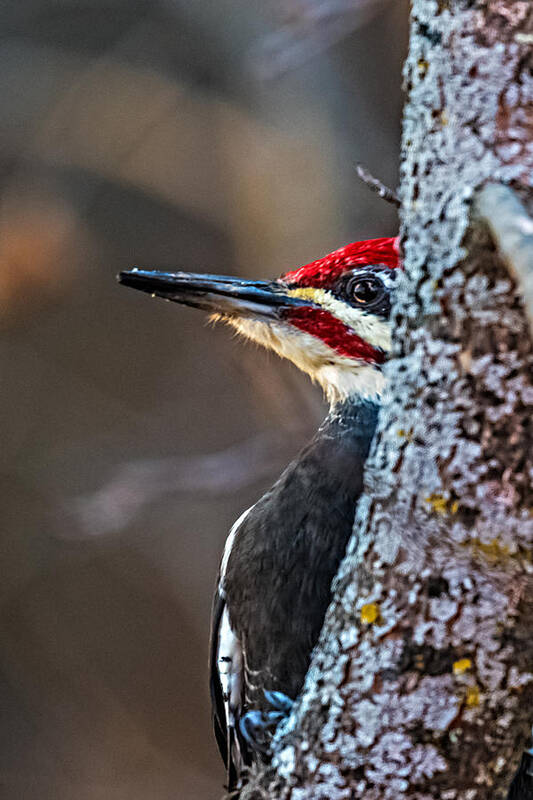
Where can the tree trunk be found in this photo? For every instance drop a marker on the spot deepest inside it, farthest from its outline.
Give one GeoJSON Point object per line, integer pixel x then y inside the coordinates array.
{"type": "Point", "coordinates": [422, 686]}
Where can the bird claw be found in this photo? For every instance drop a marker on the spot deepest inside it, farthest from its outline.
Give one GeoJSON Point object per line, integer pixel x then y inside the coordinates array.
{"type": "Point", "coordinates": [279, 701]}
{"type": "Point", "coordinates": [258, 727]}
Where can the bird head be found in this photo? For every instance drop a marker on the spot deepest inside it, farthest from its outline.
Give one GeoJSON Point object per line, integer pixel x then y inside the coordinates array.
{"type": "Point", "coordinates": [329, 317]}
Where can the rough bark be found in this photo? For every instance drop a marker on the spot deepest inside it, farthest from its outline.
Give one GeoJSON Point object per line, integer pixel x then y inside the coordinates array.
{"type": "Point", "coordinates": [422, 686]}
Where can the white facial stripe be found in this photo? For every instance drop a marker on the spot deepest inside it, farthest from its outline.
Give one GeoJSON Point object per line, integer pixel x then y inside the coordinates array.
{"type": "Point", "coordinates": [373, 330]}
{"type": "Point", "coordinates": [339, 376]}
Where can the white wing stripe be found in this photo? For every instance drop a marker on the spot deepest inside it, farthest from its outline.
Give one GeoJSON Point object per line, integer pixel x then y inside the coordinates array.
{"type": "Point", "coordinates": [229, 665]}
{"type": "Point", "coordinates": [229, 544]}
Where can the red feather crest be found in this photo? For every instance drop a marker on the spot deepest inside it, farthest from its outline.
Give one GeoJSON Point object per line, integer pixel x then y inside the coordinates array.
{"type": "Point", "coordinates": [325, 271]}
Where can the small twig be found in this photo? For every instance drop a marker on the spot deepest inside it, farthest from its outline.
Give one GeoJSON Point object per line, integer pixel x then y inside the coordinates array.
{"type": "Point", "coordinates": [311, 27]}
{"type": "Point", "coordinates": [512, 230]}
{"type": "Point", "coordinates": [377, 186]}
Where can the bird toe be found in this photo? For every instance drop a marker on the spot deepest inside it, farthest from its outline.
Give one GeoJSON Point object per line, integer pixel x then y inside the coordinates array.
{"type": "Point", "coordinates": [278, 701]}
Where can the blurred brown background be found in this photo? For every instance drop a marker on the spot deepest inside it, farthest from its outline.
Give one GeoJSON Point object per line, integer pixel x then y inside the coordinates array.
{"type": "Point", "coordinates": [209, 136]}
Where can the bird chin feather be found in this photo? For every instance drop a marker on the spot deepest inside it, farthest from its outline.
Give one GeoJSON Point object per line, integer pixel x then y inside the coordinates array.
{"type": "Point", "coordinates": [339, 376]}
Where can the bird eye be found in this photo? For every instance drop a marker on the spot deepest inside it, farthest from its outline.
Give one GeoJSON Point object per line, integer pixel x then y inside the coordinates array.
{"type": "Point", "coordinates": [365, 290]}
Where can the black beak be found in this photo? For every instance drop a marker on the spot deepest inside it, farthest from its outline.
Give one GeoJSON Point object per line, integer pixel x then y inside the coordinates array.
{"type": "Point", "coordinates": [214, 293]}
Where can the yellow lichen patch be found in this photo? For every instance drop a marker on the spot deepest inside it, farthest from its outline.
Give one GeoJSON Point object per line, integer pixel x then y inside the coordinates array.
{"type": "Point", "coordinates": [442, 505]}
{"type": "Point", "coordinates": [369, 613]}
{"type": "Point", "coordinates": [443, 117]}
{"type": "Point", "coordinates": [461, 666]}
{"type": "Point", "coordinates": [418, 661]}
{"type": "Point", "coordinates": [403, 434]}
{"type": "Point", "coordinates": [472, 696]}
{"type": "Point", "coordinates": [493, 550]}
{"type": "Point", "coordinates": [423, 67]}
{"type": "Point", "coordinates": [438, 503]}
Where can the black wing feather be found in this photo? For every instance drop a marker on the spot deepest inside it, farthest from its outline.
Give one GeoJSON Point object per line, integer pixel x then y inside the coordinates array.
{"type": "Point", "coordinates": [217, 699]}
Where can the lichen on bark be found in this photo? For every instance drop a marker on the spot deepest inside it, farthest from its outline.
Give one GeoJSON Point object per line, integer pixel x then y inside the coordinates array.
{"type": "Point", "coordinates": [421, 686]}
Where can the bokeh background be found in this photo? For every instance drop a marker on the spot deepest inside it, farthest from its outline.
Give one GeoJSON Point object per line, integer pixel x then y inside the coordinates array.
{"type": "Point", "coordinates": [210, 136]}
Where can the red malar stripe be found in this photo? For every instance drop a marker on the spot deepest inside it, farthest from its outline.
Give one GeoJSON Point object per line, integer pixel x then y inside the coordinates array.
{"type": "Point", "coordinates": [334, 333]}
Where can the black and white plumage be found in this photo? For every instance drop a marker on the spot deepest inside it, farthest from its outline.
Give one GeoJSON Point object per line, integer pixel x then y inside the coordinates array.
{"type": "Point", "coordinates": [331, 319]}
{"type": "Point", "coordinates": [276, 573]}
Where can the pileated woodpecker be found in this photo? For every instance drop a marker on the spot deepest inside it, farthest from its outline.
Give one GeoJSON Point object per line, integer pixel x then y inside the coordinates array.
{"type": "Point", "coordinates": [331, 319]}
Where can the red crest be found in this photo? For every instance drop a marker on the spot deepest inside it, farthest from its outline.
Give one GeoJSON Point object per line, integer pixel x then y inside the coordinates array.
{"type": "Point", "coordinates": [326, 270]}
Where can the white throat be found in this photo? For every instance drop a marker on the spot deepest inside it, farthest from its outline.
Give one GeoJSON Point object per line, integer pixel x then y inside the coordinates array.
{"type": "Point", "coordinates": [365, 382]}
{"type": "Point", "coordinates": [339, 376]}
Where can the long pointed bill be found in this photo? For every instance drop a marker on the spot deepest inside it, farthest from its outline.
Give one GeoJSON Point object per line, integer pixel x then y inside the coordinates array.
{"type": "Point", "coordinates": [214, 293]}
